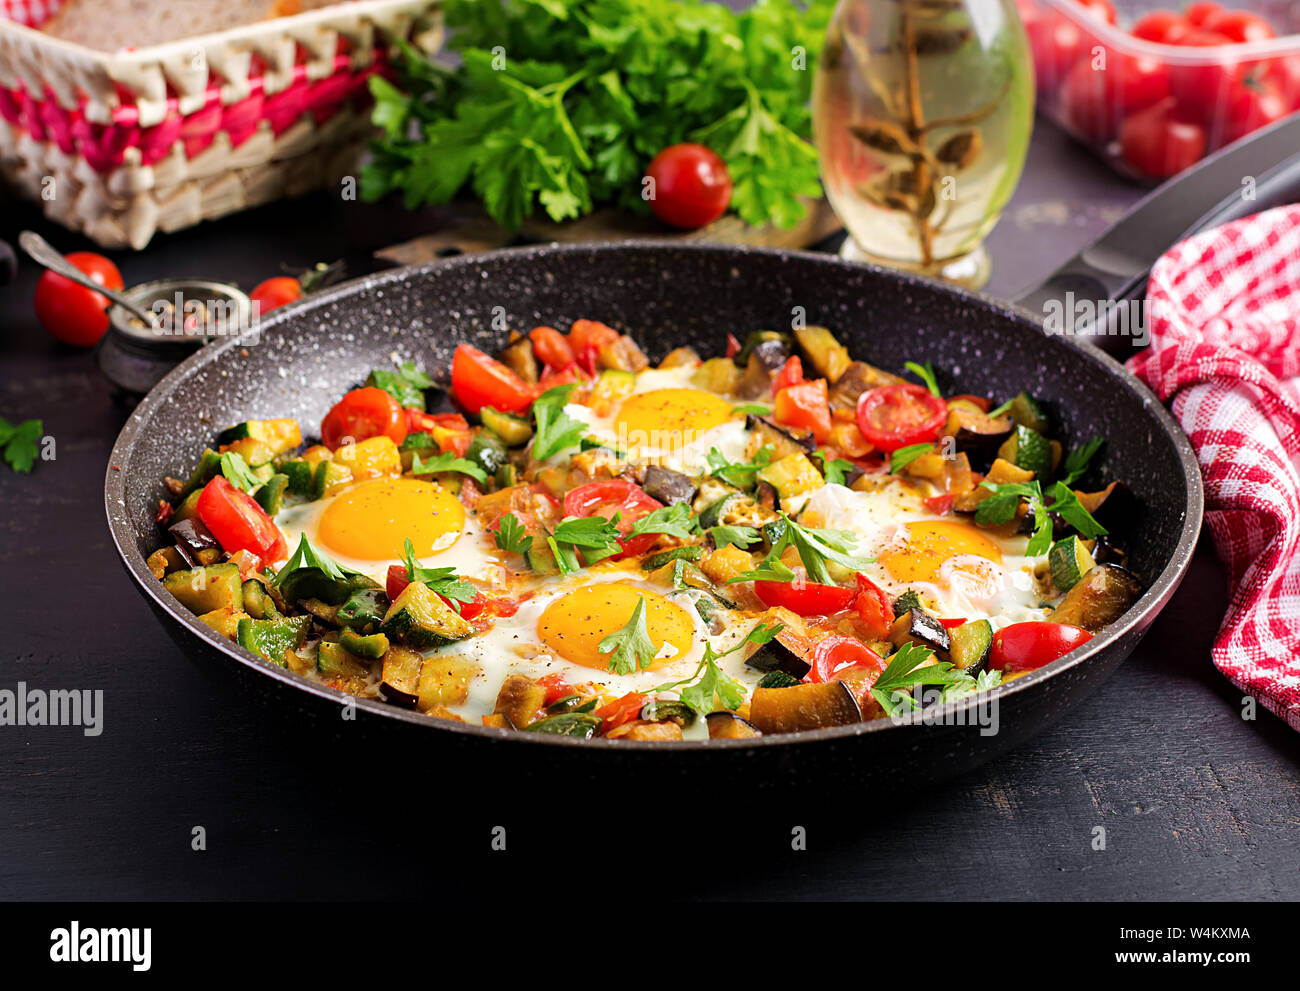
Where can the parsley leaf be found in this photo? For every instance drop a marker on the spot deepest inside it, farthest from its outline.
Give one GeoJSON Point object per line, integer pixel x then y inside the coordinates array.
{"type": "Point", "coordinates": [1077, 461]}
{"type": "Point", "coordinates": [1071, 509]}
{"type": "Point", "coordinates": [675, 521]}
{"type": "Point", "coordinates": [597, 536]}
{"type": "Point", "coordinates": [21, 443]}
{"type": "Point", "coordinates": [743, 537]}
{"type": "Point", "coordinates": [510, 535]}
{"type": "Point", "coordinates": [406, 383]}
{"type": "Point", "coordinates": [981, 683]}
{"type": "Point", "coordinates": [926, 374]}
{"type": "Point", "coordinates": [1000, 508]}
{"type": "Point", "coordinates": [835, 470]}
{"type": "Point", "coordinates": [908, 668]}
{"type": "Point", "coordinates": [237, 472]}
{"type": "Point", "coordinates": [904, 456]}
{"type": "Point", "coordinates": [556, 430]}
{"type": "Point", "coordinates": [709, 681]}
{"type": "Point", "coordinates": [631, 647]}
{"type": "Point", "coordinates": [738, 474]}
{"type": "Point", "coordinates": [444, 581]}
{"type": "Point", "coordinates": [814, 547]}
{"type": "Point", "coordinates": [447, 462]}
{"type": "Point", "coordinates": [306, 555]}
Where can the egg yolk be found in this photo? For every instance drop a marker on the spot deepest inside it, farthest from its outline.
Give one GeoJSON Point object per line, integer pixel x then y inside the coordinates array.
{"type": "Point", "coordinates": [372, 520]}
{"type": "Point", "coordinates": [668, 419]}
{"type": "Point", "coordinates": [930, 544]}
{"type": "Point", "coordinates": [574, 625]}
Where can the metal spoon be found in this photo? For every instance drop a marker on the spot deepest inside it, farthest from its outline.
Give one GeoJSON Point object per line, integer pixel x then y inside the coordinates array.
{"type": "Point", "coordinates": [43, 252]}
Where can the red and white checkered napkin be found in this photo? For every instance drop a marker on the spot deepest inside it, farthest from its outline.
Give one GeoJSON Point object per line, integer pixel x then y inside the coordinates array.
{"type": "Point", "coordinates": [29, 13]}
{"type": "Point", "coordinates": [1224, 314]}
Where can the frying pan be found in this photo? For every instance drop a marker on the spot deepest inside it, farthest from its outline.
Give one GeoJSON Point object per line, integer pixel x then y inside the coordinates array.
{"type": "Point", "coordinates": [669, 294]}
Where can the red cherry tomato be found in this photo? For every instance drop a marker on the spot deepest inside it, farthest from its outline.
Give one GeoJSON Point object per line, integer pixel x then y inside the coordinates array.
{"type": "Point", "coordinates": [1254, 103]}
{"type": "Point", "coordinates": [534, 507]}
{"type": "Point", "coordinates": [478, 380]}
{"type": "Point", "coordinates": [362, 414]}
{"type": "Point", "coordinates": [552, 347]}
{"type": "Point", "coordinates": [691, 186]}
{"type": "Point", "coordinates": [1162, 26]}
{"type": "Point", "coordinates": [1199, 13]}
{"type": "Point", "coordinates": [556, 688]}
{"type": "Point", "coordinates": [71, 313]}
{"type": "Point", "coordinates": [894, 416]}
{"type": "Point", "coordinates": [1156, 143]}
{"type": "Point", "coordinates": [874, 608]}
{"type": "Point", "coordinates": [939, 504]}
{"type": "Point", "coordinates": [805, 406]}
{"type": "Point", "coordinates": [1283, 71]}
{"type": "Point", "coordinates": [396, 581]}
{"type": "Point", "coordinates": [617, 495]}
{"type": "Point", "coordinates": [1240, 26]}
{"type": "Point", "coordinates": [450, 429]}
{"type": "Point", "coordinates": [804, 597]}
{"type": "Point", "coordinates": [588, 334]}
{"type": "Point", "coordinates": [621, 710]}
{"type": "Point", "coordinates": [835, 653]}
{"type": "Point", "coordinates": [1096, 99]}
{"type": "Point", "coordinates": [276, 292]}
{"type": "Point", "coordinates": [1056, 43]}
{"type": "Point", "coordinates": [238, 522]}
{"type": "Point", "coordinates": [1028, 646]}
{"type": "Point", "coordinates": [1100, 9]}
{"type": "Point", "coordinates": [1202, 89]}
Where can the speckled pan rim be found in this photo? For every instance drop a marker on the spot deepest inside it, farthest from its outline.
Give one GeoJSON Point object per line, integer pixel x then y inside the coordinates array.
{"type": "Point", "coordinates": [1157, 595]}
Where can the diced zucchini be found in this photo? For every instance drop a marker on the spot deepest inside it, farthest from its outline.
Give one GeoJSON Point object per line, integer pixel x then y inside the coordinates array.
{"type": "Point", "coordinates": [258, 602]}
{"type": "Point", "coordinates": [364, 610]}
{"type": "Point", "coordinates": [445, 681]}
{"type": "Point", "coordinates": [488, 451]}
{"type": "Point", "coordinates": [687, 552]}
{"type": "Point", "coordinates": [270, 495]}
{"type": "Point", "coordinates": [422, 620]}
{"type": "Point", "coordinates": [792, 476]}
{"type": "Point", "coordinates": [777, 679]}
{"type": "Point", "coordinates": [224, 621]}
{"type": "Point", "coordinates": [971, 645]}
{"type": "Point", "coordinates": [539, 557]}
{"type": "Point", "coordinates": [301, 476]}
{"type": "Point", "coordinates": [611, 388]}
{"type": "Point", "coordinates": [270, 638]}
{"type": "Point", "coordinates": [278, 435]}
{"type": "Point", "coordinates": [719, 376]}
{"type": "Point", "coordinates": [827, 355]}
{"type": "Point", "coordinates": [1027, 412]}
{"type": "Point", "coordinates": [208, 469]}
{"type": "Point", "coordinates": [1028, 450]}
{"type": "Point", "coordinates": [164, 561]}
{"type": "Point", "coordinates": [253, 451]}
{"type": "Point", "coordinates": [1069, 560]}
{"type": "Point", "coordinates": [514, 430]}
{"type": "Point", "coordinates": [668, 711]}
{"type": "Point", "coordinates": [371, 647]}
{"type": "Point", "coordinates": [715, 513]}
{"type": "Point", "coordinates": [418, 441]}
{"type": "Point", "coordinates": [187, 509]}
{"type": "Point", "coordinates": [330, 477]}
{"type": "Point", "coordinates": [334, 661]}
{"type": "Point", "coordinates": [201, 590]}
{"type": "Point", "coordinates": [507, 475]}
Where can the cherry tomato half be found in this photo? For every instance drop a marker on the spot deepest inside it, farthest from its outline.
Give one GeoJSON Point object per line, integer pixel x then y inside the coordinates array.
{"type": "Point", "coordinates": [894, 416]}
{"type": "Point", "coordinates": [479, 380]}
{"type": "Point", "coordinates": [1159, 144]}
{"type": "Point", "coordinates": [71, 313]}
{"type": "Point", "coordinates": [617, 495]}
{"type": "Point", "coordinates": [238, 522]}
{"type": "Point", "coordinates": [691, 185]}
{"type": "Point", "coordinates": [276, 292]}
{"type": "Point", "coordinates": [362, 414]}
{"type": "Point", "coordinates": [1028, 646]}
{"type": "Point", "coordinates": [835, 653]}
{"type": "Point", "coordinates": [805, 598]}
{"type": "Point", "coordinates": [874, 608]}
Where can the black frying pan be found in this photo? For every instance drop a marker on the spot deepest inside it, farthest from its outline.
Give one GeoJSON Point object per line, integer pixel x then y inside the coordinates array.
{"type": "Point", "coordinates": [669, 295]}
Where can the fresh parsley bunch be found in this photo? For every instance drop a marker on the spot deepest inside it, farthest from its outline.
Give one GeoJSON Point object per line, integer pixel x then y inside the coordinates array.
{"type": "Point", "coordinates": [564, 103]}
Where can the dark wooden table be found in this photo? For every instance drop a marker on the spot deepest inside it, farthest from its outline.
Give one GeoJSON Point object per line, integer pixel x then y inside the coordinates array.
{"type": "Point", "coordinates": [1196, 803]}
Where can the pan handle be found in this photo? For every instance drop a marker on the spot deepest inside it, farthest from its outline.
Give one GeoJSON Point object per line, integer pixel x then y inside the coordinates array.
{"type": "Point", "coordinates": [1254, 174]}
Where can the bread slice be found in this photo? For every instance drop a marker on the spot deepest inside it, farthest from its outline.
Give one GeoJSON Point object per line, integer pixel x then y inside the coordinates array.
{"type": "Point", "coordinates": [109, 25]}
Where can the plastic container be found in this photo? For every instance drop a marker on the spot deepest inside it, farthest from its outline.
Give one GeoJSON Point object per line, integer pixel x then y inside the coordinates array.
{"type": "Point", "coordinates": [1153, 109]}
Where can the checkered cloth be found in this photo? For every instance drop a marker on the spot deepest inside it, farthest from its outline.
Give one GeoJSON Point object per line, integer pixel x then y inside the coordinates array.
{"type": "Point", "coordinates": [30, 13]}
{"type": "Point", "coordinates": [1224, 310]}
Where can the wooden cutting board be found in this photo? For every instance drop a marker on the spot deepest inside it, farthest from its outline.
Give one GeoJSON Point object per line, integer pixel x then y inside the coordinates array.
{"type": "Point", "coordinates": [465, 229]}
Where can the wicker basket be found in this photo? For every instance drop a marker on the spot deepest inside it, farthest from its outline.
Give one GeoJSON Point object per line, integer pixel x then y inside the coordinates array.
{"type": "Point", "coordinates": [121, 145]}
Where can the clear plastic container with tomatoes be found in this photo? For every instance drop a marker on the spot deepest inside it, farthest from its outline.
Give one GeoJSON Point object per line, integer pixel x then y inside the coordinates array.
{"type": "Point", "coordinates": [1155, 88]}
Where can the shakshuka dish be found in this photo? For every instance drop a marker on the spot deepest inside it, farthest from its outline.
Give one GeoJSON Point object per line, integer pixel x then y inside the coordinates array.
{"type": "Point", "coordinates": [567, 540]}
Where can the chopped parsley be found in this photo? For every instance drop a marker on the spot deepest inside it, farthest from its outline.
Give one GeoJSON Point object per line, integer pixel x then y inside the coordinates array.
{"type": "Point", "coordinates": [1077, 461]}
{"type": "Point", "coordinates": [447, 462]}
{"type": "Point", "coordinates": [406, 383]}
{"type": "Point", "coordinates": [904, 456]}
{"type": "Point", "coordinates": [510, 535]}
{"type": "Point", "coordinates": [814, 547]}
{"type": "Point", "coordinates": [926, 374]}
{"type": "Point", "coordinates": [739, 474]}
{"type": "Point", "coordinates": [307, 556]}
{"type": "Point", "coordinates": [556, 430]}
{"type": "Point", "coordinates": [444, 581]}
{"type": "Point", "coordinates": [237, 472]}
{"type": "Point", "coordinates": [675, 521]}
{"type": "Point", "coordinates": [631, 647]}
{"type": "Point", "coordinates": [743, 537]}
{"type": "Point", "coordinates": [835, 470]}
{"type": "Point", "coordinates": [1000, 508]}
{"type": "Point", "coordinates": [20, 443]}
{"type": "Point", "coordinates": [709, 681]}
{"type": "Point", "coordinates": [908, 668]}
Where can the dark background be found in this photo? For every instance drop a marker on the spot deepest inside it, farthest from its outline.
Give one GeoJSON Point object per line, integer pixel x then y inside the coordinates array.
{"type": "Point", "coordinates": [1196, 803]}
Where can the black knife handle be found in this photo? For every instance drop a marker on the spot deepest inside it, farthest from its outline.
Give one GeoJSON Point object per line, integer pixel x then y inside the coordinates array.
{"type": "Point", "coordinates": [1254, 174]}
